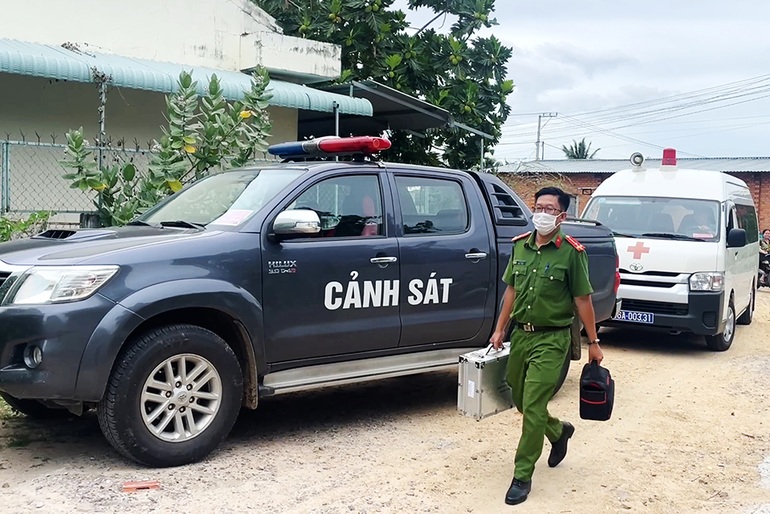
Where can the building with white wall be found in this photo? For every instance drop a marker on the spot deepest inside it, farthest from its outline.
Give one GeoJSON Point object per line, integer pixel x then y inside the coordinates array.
{"type": "Point", "coordinates": [49, 51]}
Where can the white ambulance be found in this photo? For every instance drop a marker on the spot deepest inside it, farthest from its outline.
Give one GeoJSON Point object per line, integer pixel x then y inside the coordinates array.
{"type": "Point", "coordinates": [688, 244]}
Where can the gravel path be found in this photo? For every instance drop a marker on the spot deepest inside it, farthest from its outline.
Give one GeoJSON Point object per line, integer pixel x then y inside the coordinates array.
{"type": "Point", "coordinates": [690, 433]}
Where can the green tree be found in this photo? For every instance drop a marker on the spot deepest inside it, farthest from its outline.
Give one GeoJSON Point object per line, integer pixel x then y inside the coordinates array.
{"type": "Point", "coordinates": [579, 150]}
{"type": "Point", "coordinates": [204, 134]}
{"type": "Point", "coordinates": [460, 71]}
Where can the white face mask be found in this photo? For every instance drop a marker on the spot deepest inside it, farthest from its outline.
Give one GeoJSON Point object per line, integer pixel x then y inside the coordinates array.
{"type": "Point", "coordinates": [544, 223]}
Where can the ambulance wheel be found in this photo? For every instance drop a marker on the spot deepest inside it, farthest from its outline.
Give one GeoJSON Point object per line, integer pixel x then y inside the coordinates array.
{"type": "Point", "coordinates": [721, 342]}
{"type": "Point", "coordinates": [748, 316]}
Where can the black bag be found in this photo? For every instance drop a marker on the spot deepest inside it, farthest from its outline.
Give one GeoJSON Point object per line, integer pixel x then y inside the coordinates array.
{"type": "Point", "coordinates": [597, 392]}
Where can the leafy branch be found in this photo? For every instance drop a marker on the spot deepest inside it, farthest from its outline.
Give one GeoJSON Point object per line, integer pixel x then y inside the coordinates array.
{"type": "Point", "coordinates": [204, 134]}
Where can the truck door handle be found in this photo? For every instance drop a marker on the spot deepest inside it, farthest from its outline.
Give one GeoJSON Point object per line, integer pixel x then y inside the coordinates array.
{"type": "Point", "coordinates": [475, 256]}
{"type": "Point", "coordinates": [383, 260]}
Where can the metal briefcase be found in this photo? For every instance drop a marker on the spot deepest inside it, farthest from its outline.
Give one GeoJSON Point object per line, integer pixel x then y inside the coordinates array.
{"type": "Point", "coordinates": [482, 390]}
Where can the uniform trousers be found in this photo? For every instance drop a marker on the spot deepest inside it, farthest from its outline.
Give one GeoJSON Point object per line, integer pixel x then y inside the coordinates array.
{"type": "Point", "coordinates": [534, 366]}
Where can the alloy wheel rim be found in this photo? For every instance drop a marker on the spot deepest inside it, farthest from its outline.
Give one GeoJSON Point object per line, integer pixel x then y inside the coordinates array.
{"type": "Point", "coordinates": [181, 397]}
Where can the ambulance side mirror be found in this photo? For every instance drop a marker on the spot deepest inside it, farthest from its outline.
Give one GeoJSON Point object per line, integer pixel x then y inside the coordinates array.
{"type": "Point", "coordinates": [736, 238]}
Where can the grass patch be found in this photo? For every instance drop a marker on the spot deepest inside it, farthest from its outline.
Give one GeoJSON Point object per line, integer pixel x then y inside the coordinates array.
{"type": "Point", "coordinates": [6, 411]}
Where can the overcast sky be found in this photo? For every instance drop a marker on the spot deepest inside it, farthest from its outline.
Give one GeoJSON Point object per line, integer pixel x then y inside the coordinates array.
{"type": "Point", "coordinates": [576, 57]}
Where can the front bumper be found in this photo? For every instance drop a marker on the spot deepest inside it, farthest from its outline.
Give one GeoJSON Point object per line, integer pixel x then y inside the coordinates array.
{"type": "Point", "coordinates": [702, 314]}
{"type": "Point", "coordinates": [61, 331]}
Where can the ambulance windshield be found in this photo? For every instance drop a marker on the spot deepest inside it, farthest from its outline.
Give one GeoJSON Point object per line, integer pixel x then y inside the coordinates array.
{"type": "Point", "coordinates": [669, 218]}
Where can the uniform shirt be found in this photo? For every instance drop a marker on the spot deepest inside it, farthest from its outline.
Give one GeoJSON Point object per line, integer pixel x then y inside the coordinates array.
{"type": "Point", "coordinates": [547, 280]}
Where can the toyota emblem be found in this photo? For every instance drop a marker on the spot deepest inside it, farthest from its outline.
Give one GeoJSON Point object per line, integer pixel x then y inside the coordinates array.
{"type": "Point", "coordinates": [636, 267]}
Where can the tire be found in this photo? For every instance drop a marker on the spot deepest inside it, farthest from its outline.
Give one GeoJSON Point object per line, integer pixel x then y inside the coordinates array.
{"type": "Point", "coordinates": [748, 316]}
{"type": "Point", "coordinates": [35, 409]}
{"type": "Point", "coordinates": [721, 342]}
{"type": "Point", "coordinates": [136, 398]}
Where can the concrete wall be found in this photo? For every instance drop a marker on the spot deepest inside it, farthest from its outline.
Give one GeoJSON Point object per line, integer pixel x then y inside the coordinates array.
{"type": "Point", "coordinates": [225, 34]}
{"type": "Point", "coordinates": [51, 108]}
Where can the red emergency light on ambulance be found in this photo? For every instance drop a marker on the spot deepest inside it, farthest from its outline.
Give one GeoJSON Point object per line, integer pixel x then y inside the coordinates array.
{"type": "Point", "coordinates": [688, 245]}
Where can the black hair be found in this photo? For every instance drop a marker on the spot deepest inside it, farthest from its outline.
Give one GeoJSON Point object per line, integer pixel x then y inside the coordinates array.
{"type": "Point", "coordinates": [555, 191]}
{"type": "Point", "coordinates": [765, 230]}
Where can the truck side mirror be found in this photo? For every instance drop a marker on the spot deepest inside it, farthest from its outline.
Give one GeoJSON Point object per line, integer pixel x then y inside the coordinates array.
{"type": "Point", "coordinates": [296, 222]}
{"type": "Point", "coordinates": [736, 238]}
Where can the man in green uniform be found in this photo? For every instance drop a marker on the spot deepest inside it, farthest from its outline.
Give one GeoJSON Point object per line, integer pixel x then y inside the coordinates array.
{"type": "Point", "coordinates": [547, 279]}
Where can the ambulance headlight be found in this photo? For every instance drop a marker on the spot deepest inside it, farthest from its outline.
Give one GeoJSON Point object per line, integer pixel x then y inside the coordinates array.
{"type": "Point", "coordinates": [711, 281]}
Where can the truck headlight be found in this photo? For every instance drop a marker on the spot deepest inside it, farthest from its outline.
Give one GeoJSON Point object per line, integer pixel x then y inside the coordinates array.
{"type": "Point", "coordinates": [49, 284]}
{"type": "Point", "coordinates": [711, 281]}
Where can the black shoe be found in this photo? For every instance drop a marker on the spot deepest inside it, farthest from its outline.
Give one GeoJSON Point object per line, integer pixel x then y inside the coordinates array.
{"type": "Point", "coordinates": [559, 447]}
{"type": "Point", "coordinates": [518, 491]}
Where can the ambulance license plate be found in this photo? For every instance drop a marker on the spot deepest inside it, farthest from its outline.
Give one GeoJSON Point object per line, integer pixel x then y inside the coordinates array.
{"type": "Point", "coordinates": [636, 317]}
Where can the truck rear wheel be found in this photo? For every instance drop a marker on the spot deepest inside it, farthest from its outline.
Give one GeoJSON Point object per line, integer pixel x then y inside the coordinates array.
{"type": "Point", "coordinates": [721, 342]}
{"type": "Point", "coordinates": [173, 396]}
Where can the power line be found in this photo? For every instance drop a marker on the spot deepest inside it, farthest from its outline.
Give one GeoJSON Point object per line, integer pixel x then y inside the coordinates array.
{"type": "Point", "coordinates": [724, 92]}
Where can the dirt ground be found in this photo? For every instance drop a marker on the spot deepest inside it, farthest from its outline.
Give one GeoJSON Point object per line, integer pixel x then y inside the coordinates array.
{"type": "Point", "coordinates": [690, 433]}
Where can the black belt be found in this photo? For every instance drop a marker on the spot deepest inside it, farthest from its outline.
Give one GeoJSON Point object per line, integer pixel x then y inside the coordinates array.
{"type": "Point", "coordinates": [528, 327]}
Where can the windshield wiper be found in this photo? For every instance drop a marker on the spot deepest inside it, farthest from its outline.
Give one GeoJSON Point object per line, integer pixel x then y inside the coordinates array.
{"type": "Point", "coordinates": [139, 222]}
{"type": "Point", "coordinates": [182, 224]}
{"type": "Point", "coordinates": [621, 234]}
{"type": "Point", "coordinates": [669, 235]}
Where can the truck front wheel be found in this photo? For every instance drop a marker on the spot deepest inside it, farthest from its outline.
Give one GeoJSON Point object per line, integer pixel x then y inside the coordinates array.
{"type": "Point", "coordinates": [173, 396]}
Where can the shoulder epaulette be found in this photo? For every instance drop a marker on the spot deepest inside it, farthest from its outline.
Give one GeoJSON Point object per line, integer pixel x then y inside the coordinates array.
{"type": "Point", "coordinates": [575, 243]}
{"type": "Point", "coordinates": [521, 236]}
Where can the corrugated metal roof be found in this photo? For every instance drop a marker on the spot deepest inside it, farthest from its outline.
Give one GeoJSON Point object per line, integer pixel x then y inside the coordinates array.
{"type": "Point", "coordinates": [55, 62]}
{"type": "Point", "coordinates": [566, 166]}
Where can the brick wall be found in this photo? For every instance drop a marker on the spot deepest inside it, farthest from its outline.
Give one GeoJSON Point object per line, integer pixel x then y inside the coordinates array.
{"type": "Point", "coordinates": [581, 185]}
{"type": "Point", "coordinates": [759, 184]}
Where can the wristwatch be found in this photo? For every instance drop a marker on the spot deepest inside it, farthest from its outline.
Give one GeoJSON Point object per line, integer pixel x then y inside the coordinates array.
{"type": "Point", "coordinates": [595, 341]}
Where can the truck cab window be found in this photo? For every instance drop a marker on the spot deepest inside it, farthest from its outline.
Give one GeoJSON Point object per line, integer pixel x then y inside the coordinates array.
{"type": "Point", "coordinates": [432, 206]}
{"type": "Point", "coordinates": [348, 206]}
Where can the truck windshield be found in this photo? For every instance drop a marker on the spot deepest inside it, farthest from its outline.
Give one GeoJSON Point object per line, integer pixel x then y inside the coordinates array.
{"type": "Point", "coordinates": [668, 218]}
{"type": "Point", "coordinates": [225, 198]}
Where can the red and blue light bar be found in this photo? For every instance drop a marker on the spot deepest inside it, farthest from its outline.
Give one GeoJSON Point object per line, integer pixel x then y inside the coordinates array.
{"type": "Point", "coordinates": [327, 146]}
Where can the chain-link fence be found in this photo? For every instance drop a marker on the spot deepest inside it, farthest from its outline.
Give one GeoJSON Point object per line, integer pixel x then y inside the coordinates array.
{"type": "Point", "coordinates": [31, 179]}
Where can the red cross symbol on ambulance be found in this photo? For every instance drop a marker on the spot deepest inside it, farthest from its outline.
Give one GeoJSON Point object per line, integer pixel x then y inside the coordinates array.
{"type": "Point", "coordinates": [638, 249]}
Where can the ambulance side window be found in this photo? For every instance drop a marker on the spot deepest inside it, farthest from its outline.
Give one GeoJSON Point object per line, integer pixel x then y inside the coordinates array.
{"type": "Point", "coordinates": [747, 220]}
{"type": "Point", "coordinates": [730, 220]}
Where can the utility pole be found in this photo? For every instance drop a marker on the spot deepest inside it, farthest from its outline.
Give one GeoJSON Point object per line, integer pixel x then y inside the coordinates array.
{"type": "Point", "coordinates": [538, 146]}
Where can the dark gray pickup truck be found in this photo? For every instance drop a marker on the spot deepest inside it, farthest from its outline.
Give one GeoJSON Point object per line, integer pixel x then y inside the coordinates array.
{"type": "Point", "coordinates": [257, 282]}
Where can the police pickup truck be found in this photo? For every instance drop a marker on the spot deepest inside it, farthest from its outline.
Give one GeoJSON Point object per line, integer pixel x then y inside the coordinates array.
{"type": "Point", "coordinates": [262, 281]}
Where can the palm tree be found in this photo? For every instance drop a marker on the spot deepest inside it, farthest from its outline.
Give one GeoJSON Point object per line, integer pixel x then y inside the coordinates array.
{"type": "Point", "coordinates": [579, 150]}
